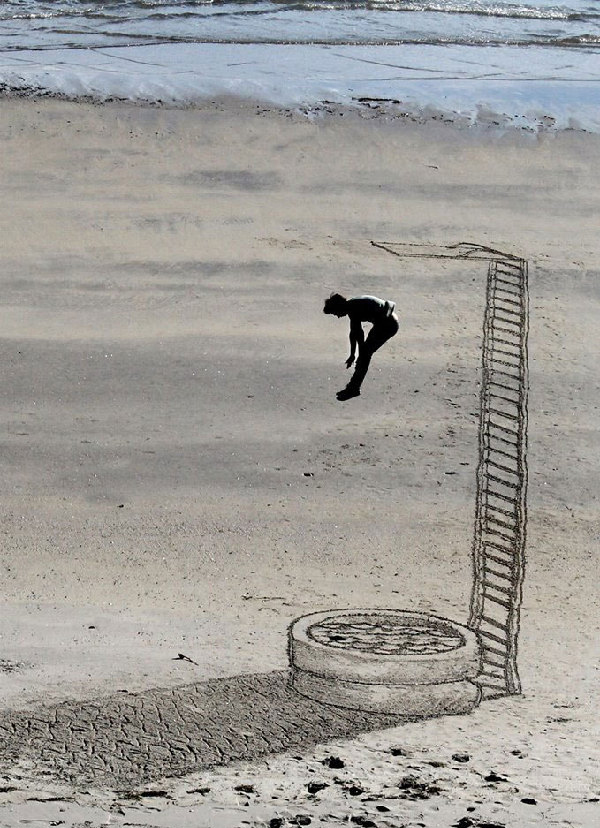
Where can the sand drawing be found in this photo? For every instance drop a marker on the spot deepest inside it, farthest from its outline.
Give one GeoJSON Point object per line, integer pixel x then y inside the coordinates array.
{"type": "Point", "coordinates": [411, 664]}
{"type": "Point", "coordinates": [352, 671]}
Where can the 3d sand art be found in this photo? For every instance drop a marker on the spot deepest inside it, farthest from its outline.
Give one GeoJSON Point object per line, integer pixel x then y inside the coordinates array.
{"type": "Point", "coordinates": [416, 664]}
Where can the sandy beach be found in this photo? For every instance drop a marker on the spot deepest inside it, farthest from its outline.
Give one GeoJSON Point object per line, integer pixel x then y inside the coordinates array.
{"type": "Point", "coordinates": [180, 482]}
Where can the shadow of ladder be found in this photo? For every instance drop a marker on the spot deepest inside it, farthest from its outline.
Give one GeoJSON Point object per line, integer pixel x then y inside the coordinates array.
{"type": "Point", "coordinates": [500, 519]}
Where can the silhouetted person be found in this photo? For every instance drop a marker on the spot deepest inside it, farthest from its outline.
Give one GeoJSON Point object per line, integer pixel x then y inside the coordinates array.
{"type": "Point", "coordinates": [363, 309]}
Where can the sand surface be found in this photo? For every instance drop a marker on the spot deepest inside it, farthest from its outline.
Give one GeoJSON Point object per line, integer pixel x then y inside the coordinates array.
{"type": "Point", "coordinates": [180, 480]}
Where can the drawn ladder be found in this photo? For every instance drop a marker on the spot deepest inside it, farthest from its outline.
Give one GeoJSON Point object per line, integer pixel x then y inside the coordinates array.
{"type": "Point", "coordinates": [500, 518]}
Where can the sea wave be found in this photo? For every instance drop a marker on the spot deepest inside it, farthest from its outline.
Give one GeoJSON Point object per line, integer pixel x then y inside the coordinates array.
{"type": "Point", "coordinates": [169, 10]}
{"type": "Point", "coordinates": [28, 24]}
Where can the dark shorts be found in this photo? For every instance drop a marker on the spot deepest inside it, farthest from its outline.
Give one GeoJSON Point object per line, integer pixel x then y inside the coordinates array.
{"type": "Point", "coordinates": [381, 332]}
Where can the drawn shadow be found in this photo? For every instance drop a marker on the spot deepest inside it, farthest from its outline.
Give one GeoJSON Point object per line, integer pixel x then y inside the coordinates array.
{"type": "Point", "coordinates": [130, 739]}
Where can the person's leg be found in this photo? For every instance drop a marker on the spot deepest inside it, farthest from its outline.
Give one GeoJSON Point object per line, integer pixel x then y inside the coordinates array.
{"type": "Point", "coordinates": [362, 364]}
{"type": "Point", "coordinates": [378, 336]}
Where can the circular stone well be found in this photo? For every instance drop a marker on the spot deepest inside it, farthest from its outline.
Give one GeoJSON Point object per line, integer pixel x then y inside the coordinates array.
{"type": "Point", "coordinates": [386, 661]}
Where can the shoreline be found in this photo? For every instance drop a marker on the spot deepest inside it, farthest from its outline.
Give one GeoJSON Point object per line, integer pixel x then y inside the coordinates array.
{"type": "Point", "coordinates": [415, 82]}
{"type": "Point", "coordinates": [387, 112]}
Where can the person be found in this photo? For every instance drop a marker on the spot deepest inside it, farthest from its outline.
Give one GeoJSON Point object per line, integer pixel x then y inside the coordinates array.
{"type": "Point", "coordinates": [380, 313]}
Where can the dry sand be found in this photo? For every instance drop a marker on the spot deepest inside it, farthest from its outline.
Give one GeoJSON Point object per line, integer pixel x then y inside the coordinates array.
{"type": "Point", "coordinates": [180, 479]}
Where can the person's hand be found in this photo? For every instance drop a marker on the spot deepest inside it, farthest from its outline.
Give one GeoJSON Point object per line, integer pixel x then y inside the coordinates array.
{"type": "Point", "coordinates": [350, 361]}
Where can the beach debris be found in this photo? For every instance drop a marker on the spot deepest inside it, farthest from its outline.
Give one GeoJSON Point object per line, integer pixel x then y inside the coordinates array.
{"type": "Point", "coordinates": [334, 762]}
{"type": "Point", "coordinates": [529, 800]}
{"type": "Point", "coordinates": [276, 822]}
{"type": "Point", "coordinates": [495, 777]}
{"type": "Point", "coordinates": [461, 757]}
{"type": "Point", "coordinates": [7, 666]}
{"type": "Point", "coordinates": [147, 794]}
{"type": "Point", "coordinates": [413, 788]}
{"type": "Point", "coordinates": [468, 822]}
{"type": "Point", "coordinates": [301, 819]}
{"type": "Point", "coordinates": [398, 751]}
{"type": "Point", "coordinates": [182, 657]}
{"type": "Point", "coordinates": [245, 788]}
{"type": "Point", "coordinates": [202, 791]}
{"type": "Point", "coordinates": [355, 790]}
{"type": "Point", "coordinates": [315, 787]}
{"type": "Point", "coordinates": [363, 821]}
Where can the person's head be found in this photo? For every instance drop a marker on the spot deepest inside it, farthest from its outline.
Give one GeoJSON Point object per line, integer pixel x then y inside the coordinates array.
{"type": "Point", "coordinates": [335, 304]}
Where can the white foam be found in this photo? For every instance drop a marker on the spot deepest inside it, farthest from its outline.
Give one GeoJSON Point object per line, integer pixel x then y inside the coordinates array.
{"type": "Point", "coordinates": [476, 84]}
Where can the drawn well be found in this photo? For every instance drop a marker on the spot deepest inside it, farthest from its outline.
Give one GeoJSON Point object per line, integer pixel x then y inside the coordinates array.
{"type": "Point", "coordinates": [386, 661]}
{"type": "Point", "coordinates": [395, 662]}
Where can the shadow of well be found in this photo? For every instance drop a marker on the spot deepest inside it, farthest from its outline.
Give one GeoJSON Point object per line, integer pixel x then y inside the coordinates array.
{"type": "Point", "coordinates": [136, 738]}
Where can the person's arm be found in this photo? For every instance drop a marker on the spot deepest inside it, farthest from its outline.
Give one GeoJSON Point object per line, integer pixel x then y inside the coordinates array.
{"type": "Point", "coordinates": [357, 337]}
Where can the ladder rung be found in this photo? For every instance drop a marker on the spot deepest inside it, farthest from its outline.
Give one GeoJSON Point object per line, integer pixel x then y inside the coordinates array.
{"type": "Point", "coordinates": [502, 329]}
{"type": "Point", "coordinates": [503, 482]}
{"type": "Point", "coordinates": [502, 468]}
{"type": "Point", "coordinates": [489, 663]}
{"type": "Point", "coordinates": [495, 600]}
{"type": "Point", "coordinates": [508, 319]}
{"type": "Point", "coordinates": [504, 512]}
{"type": "Point", "coordinates": [516, 357]}
{"type": "Point", "coordinates": [502, 535]}
{"type": "Point", "coordinates": [498, 522]}
{"type": "Point", "coordinates": [498, 361]}
{"type": "Point", "coordinates": [508, 301]}
{"type": "Point", "coordinates": [504, 590]}
{"type": "Point", "coordinates": [516, 286]}
{"type": "Point", "coordinates": [506, 316]}
{"type": "Point", "coordinates": [493, 622]}
{"type": "Point", "coordinates": [506, 429]}
{"type": "Point", "coordinates": [513, 417]}
{"type": "Point", "coordinates": [495, 650]}
{"type": "Point", "coordinates": [502, 373]}
{"type": "Point", "coordinates": [514, 306]}
{"type": "Point", "coordinates": [505, 442]}
{"type": "Point", "coordinates": [502, 335]}
{"type": "Point", "coordinates": [492, 493]}
{"type": "Point", "coordinates": [499, 548]}
{"type": "Point", "coordinates": [505, 387]}
{"type": "Point", "coordinates": [498, 560]}
{"type": "Point", "coordinates": [497, 574]}
{"type": "Point", "coordinates": [506, 399]}
{"type": "Point", "coordinates": [512, 273]}
{"type": "Point", "coordinates": [491, 675]}
{"type": "Point", "coordinates": [493, 637]}
{"type": "Point", "coordinates": [494, 450]}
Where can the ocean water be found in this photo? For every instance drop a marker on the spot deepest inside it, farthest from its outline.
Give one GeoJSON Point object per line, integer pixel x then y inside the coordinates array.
{"type": "Point", "coordinates": [529, 64]}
